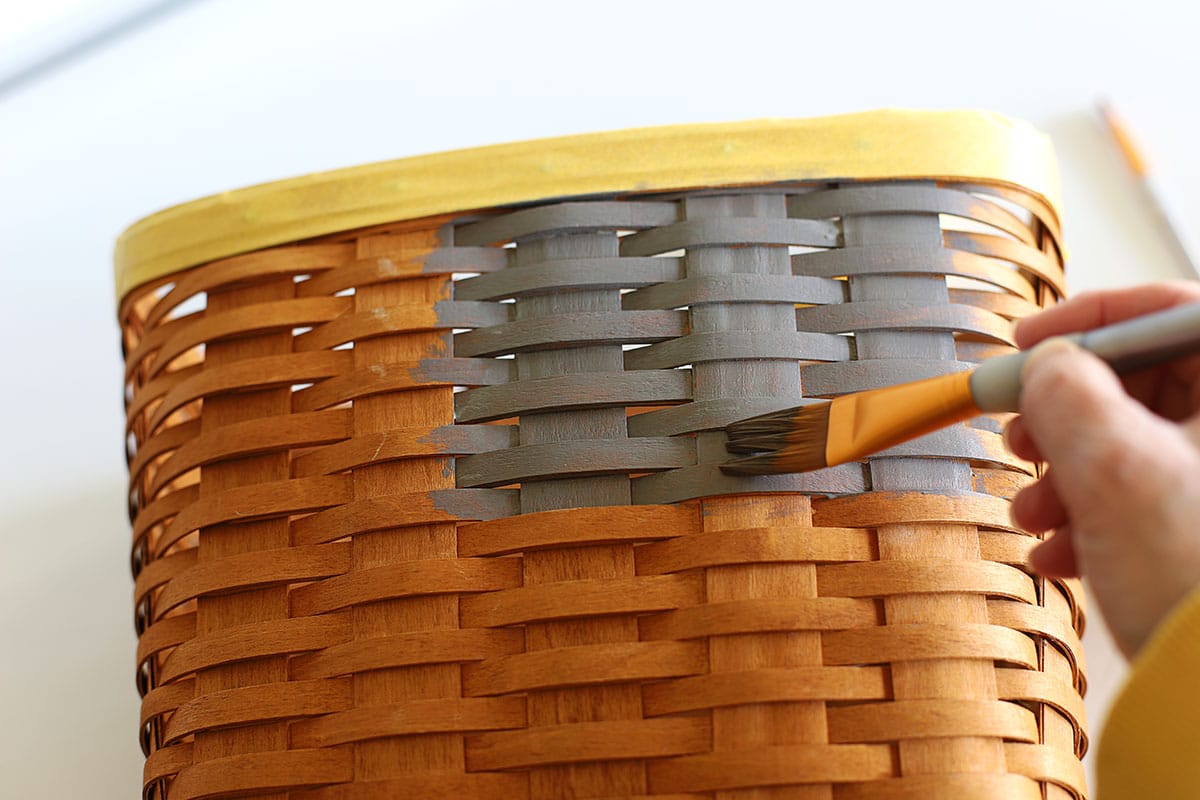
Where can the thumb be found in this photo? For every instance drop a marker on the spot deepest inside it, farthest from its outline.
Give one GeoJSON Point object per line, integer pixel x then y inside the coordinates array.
{"type": "Point", "coordinates": [1098, 438]}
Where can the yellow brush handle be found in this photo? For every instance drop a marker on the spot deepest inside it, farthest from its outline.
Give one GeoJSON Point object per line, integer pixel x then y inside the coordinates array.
{"type": "Point", "coordinates": [867, 422]}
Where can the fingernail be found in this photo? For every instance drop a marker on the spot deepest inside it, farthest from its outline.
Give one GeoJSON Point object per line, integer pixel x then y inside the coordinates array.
{"type": "Point", "coordinates": [1047, 348]}
{"type": "Point", "coordinates": [1013, 508]}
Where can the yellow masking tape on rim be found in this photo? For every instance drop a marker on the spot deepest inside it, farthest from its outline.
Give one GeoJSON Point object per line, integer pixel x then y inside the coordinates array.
{"type": "Point", "coordinates": [875, 145]}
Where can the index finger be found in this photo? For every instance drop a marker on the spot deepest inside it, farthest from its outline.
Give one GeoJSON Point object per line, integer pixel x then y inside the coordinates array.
{"type": "Point", "coordinates": [1097, 309]}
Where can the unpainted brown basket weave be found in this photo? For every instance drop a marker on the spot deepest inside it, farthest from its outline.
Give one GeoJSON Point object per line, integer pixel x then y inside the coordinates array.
{"type": "Point", "coordinates": [433, 510]}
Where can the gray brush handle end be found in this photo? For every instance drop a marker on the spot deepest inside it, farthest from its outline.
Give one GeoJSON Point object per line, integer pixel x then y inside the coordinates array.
{"type": "Point", "coordinates": [1126, 346]}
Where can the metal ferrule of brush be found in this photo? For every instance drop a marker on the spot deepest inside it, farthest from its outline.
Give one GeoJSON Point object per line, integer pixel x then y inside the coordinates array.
{"type": "Point", "coordinates": [1125, 346]}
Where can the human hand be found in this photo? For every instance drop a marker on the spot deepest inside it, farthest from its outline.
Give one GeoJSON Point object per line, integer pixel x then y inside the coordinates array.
{"type": "Point", "coordinates": [1122, 490]}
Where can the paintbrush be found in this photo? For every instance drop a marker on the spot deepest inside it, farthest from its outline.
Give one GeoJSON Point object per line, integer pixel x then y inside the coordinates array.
{"type": "Point", "coordinates": [854, 426]}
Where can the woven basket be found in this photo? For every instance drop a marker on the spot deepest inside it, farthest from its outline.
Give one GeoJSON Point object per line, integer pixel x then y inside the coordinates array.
{"type": "Point", "coordinates": [425, 488]}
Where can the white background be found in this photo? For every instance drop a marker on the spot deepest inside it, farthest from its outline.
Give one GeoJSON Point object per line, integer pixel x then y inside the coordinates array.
{"type": "Point", "coordinates": [225, 93]}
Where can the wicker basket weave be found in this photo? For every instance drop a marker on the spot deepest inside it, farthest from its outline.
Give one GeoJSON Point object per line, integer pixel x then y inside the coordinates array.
{"type": "Point", "coordinates": [431, 508]}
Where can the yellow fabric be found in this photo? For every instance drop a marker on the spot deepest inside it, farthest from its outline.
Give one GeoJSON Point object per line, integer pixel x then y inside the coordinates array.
{"type": "Point", "coordinates": [877, 145]}
{"type": "Point", "coordinates": [1150, 749]}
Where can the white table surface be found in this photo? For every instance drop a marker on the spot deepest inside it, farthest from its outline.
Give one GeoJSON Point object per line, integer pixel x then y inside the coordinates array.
{"type": "Point", "coordinates": [226, 93]}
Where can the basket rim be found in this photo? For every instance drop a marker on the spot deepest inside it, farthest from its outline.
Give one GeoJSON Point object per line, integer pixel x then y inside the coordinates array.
{"type": "Point", "coordinates": [886, 144]}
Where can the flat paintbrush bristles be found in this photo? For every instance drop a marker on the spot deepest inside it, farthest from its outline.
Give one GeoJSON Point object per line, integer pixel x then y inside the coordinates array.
{"type": "Point", "coordinates": [849, 428]}
{"type": "Point", "coordinates": [783, 441]}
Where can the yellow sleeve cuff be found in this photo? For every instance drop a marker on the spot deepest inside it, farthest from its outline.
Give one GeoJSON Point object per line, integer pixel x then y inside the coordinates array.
{"type": "Point", "coordinates": [1150, 747]}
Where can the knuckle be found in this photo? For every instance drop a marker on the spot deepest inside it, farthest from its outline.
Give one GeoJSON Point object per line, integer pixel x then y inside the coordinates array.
{"type": "Point", "coordinates": [1134, 467]}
